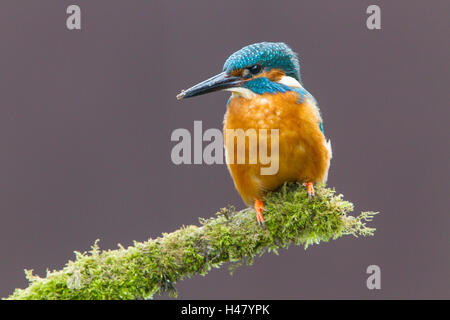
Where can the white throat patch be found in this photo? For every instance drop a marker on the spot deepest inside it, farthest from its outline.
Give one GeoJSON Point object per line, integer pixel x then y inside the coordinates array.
{"type": "Point", "coordinates": [241, 92]}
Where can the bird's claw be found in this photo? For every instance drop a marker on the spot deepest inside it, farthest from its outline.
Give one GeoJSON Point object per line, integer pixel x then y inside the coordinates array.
{"type": "Point", "coordinates": [310, 189]}
{"type": "Point", "coordinates": [259, 207]}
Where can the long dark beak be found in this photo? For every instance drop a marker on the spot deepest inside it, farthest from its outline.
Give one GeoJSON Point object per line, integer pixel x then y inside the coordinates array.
{"type": "Point", "coordinates": [218, 82]}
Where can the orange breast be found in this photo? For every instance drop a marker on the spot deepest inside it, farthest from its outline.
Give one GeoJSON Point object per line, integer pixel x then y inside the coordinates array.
{"type": "Point", "coordinates": [302, 151]}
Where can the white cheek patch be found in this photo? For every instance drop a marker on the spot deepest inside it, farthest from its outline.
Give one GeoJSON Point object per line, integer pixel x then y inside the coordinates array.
{"type": "Point", "coordinates": [290, 82]}
{"type": "Point", "coordinates": [248, 94]}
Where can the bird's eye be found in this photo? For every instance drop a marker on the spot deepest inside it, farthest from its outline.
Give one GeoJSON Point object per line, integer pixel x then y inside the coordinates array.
{"type": "Point", "coordinates": [255, 69]}
{"type": "Point", "coordinates": [251, 71]}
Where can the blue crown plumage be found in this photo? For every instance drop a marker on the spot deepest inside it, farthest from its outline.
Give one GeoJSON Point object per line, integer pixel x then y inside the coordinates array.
{"type": "Point", "coordinates": [267, 54]}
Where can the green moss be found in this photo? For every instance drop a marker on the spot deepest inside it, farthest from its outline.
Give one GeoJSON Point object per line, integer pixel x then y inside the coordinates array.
{"type": "Point", "coordinates": [153, 267]}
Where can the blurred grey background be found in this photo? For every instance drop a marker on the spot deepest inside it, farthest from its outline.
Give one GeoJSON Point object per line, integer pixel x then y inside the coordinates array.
{"type": "Point", "coordinates": [86, 118]}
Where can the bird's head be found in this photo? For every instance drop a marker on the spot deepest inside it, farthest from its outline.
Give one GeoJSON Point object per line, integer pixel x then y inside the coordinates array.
{"type": "Point", "coordinates": [256, 68]}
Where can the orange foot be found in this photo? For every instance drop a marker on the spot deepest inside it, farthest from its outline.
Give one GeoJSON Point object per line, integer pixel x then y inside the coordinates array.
{"type": "Point", "coordinates": [259, 206]}
{"type": "Point", "coordinates": [310, 188]}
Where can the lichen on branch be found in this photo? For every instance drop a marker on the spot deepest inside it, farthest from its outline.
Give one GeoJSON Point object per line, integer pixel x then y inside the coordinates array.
{"type": "Point", "coordinates": [154, 266]}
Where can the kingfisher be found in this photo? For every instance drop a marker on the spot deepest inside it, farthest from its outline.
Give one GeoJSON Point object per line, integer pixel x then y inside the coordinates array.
{"type": "Point", "coordinates": [267, 95]}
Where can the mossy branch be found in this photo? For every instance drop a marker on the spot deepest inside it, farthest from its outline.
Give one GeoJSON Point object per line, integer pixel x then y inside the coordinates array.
{"type": "Point", "coordinates": [154, 266]}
